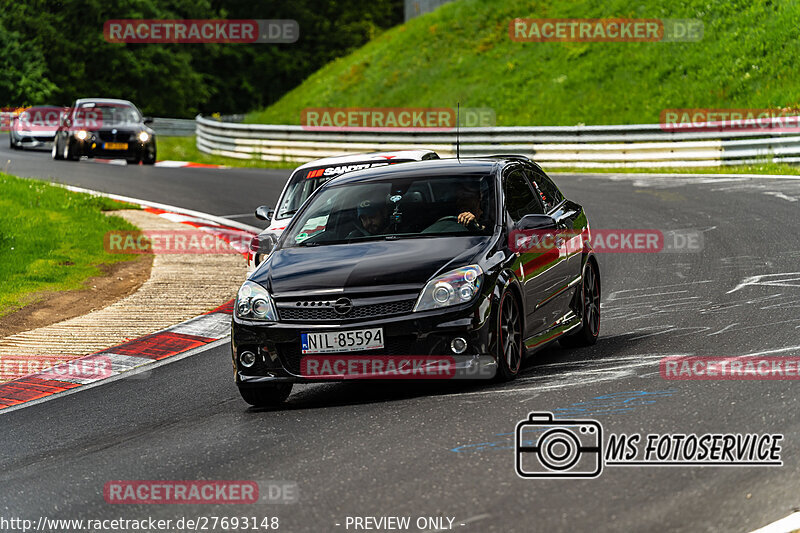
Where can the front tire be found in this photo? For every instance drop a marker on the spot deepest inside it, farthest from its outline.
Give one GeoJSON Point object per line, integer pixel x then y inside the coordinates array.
{"type": "Point", "coordinates": [68, 152]}
{"type": "Point", "coordinates": [266, 396]}
{"type": "Point", "coordinates": [590, 310]}
{"type": "Point", "coordinates": [510, 348]}
{"type": "Point", "coordinates": [56, 153]}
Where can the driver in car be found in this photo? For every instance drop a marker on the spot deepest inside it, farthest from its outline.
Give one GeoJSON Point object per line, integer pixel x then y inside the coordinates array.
{"type": "Point", "coordinates": [468, 205]}
{"type": "Point", "coordinates": [374, 217]}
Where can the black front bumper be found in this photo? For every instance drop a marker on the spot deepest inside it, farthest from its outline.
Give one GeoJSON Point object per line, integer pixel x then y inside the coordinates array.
{"type": "Point", "coordinates": [95, 147]}
{"type": "Point", "coordinates": [429, 333]}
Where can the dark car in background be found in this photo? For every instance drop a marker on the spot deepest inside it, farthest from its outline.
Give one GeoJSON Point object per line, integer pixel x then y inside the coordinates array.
{"type": "Point", "coordinates": [34, 127]}
{"type": "Point", "coordinates": [393, 267]}
{"type": "Point", "coordinates": [105, 128]}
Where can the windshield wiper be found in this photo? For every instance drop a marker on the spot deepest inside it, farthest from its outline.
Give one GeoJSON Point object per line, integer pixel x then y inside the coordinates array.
{"type": "Point", "coordinates": [396, 237]}
{"type": "Point", "coordinates": [290, 212]}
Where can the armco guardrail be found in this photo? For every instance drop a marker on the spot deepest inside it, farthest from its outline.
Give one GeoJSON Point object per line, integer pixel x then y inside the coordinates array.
{"type": "Point", "coordinates": [646, 145]}
{"type": "Point", "coordinates": [173, 127]}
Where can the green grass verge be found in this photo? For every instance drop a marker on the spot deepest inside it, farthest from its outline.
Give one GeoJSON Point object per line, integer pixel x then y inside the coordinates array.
{"type": "Point", "coordinates": [185, 149]}
{"type": "Point", "coordinates": [462, 52]}
{"type": "Point", "coordinates": [51, 239]}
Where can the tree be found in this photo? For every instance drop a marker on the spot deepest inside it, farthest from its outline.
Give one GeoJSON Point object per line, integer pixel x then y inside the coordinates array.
{"type": "Point", "coordinates": [57, 51]}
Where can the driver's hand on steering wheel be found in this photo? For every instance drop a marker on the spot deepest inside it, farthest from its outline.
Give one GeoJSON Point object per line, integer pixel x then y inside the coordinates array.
{"type": "Point", "coordinates": [466, 219]}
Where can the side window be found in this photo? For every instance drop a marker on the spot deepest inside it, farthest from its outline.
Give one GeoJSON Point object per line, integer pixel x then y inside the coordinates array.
{"type": "Point", "coordinates": [520, 200]}
{"type": "Point", "coordinates": [547, 190]}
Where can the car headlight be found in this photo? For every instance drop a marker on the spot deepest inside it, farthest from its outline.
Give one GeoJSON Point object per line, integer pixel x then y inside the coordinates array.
{"type": "Point", "coordinates": [144, 136]}
{"type": "Point", "coordinates": [458, 286]}
{"type": "Point", "coordinates": [254, 303]}
{"type": "Point", "coordinates": [82, 134]}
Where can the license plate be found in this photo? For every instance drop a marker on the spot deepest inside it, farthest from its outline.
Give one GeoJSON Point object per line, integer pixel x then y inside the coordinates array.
{"type": "Point", "coordinates": [342, 341]}
{"type": "Point", "coordinates": [115, 146]}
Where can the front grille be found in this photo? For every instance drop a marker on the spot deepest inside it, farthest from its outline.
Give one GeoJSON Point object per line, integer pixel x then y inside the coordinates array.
{"type": "Point", "coordinates": [290, 353]}
{"type": "Point", "coordinates": [320, 313]}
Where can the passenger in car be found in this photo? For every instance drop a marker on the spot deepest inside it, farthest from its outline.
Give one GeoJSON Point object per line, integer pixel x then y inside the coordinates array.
{"type": "Point", "coordinates": [374, 217]}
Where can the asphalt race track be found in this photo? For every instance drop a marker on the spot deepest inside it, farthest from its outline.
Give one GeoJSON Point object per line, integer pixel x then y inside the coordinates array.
{"type": "Point", "coordinates": [372, 449]}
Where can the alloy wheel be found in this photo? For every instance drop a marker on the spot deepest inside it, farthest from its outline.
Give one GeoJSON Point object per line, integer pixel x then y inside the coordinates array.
{"type": "Point", "coordinates": [591, 302]}
{"type": "Point", "coordinates": [510, 340]}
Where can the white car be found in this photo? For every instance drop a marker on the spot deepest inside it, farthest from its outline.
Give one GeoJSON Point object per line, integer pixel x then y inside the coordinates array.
{"type": "Point", "coordinates": [308, 178]}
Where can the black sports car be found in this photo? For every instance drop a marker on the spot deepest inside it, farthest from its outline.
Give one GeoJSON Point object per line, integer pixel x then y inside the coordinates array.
{"type": "Point", "coordinates": [419, 259]}
{"type": "Point", "coordinates": [107, 128]}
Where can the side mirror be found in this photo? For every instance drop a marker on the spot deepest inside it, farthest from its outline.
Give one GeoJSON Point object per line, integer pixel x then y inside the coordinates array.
{"type": "Point", "coordinates": [529, 222]}
{"type": "Point", "coordinates": [535, 234]}
{"type": "Point", "coordinates": [264, 212]}
{"type": "Point", "coordinates": [147, 121]}
{"type": "Point", "coordinates": [262, 245]}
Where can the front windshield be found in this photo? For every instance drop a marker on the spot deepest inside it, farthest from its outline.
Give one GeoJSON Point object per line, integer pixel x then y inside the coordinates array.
{"type": "Point", "coordinates": [308, 180]}
{"type": "Point", "coordinates": [113, 113]}
{"type": "Point", "coordinates": [299, 189]}
{"type": "Point", "coordinates": [418, 206]}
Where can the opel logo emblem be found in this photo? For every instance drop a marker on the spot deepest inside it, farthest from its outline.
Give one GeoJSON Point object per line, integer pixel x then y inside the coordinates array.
{"type": "Point", "coordinates": [343, 306]}
{"type": "Point", "coordinates": [114, 132]}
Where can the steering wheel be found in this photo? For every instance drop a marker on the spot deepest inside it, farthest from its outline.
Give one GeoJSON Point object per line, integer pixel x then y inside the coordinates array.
{"type": "Point", "coordinates": [472, 225]}
{"type": "Point", "coordinates": [454, 225]}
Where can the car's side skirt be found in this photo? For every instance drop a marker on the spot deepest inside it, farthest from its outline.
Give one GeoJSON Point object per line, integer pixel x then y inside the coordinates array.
{"type": "Point", "coordinates": [562, 326]}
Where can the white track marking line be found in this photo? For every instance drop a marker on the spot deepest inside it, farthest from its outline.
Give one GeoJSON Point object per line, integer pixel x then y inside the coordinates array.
{"type": "Point", "coordinates": [722, 330]}
{"type": "Point", "coordinates": [775, 350]}
{"type": "Point", "coordinates": [614, 298]}
{"type": "Point", "coordinates": [784, 525]}
{"type": "Point", "coordinates": [587, 375]}
{"type": "Point", "coordinates": [761, 279]}
{"type": "Point", "coordinates": [165, 207]}
{"type": "Point", "coordinates": [781, 196]}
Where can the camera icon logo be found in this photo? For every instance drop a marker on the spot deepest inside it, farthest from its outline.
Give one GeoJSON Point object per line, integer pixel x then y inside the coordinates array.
{"type": "Point", "coordinates": [547, 448]}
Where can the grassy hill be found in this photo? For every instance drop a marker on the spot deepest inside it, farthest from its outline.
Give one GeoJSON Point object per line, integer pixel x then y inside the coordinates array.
{"type": "Point", "coordinates": [462, 52]}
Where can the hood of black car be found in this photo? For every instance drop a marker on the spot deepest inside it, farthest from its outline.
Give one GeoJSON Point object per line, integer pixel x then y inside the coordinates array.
{"type": "Point", "coordinates": [358, 267]}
